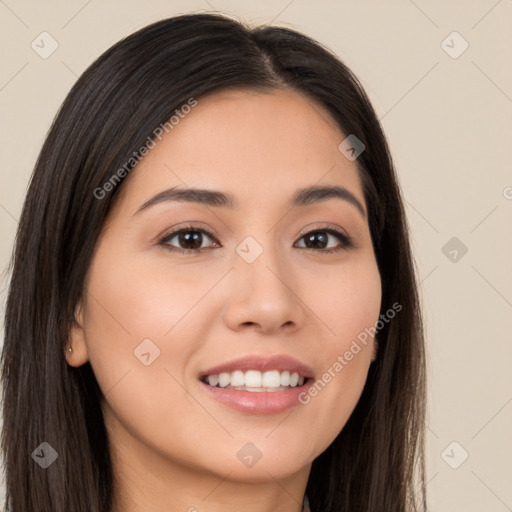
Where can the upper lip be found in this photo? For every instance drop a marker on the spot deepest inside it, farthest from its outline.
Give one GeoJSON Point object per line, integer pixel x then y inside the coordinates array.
{"type": "Point", "coordinates": [261, 363]}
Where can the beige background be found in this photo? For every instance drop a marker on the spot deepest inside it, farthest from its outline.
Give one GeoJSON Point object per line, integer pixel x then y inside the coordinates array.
{"type": "Point", "coordinates": [449, 124]}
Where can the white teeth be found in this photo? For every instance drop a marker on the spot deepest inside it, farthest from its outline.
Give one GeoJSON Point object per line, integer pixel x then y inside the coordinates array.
{"type": "Point", "coordinates": [285, 378]}
{"type": "Point", "coordinates": [254, 380]}
{"type": "Point", "coordinates": [271, 379]}
{"type": "Point", "coordinates": [213, 380]}
{"type": "Point", "coordinates": [224, 379]}
{"type": "Point", "coordinates": [237, 378]}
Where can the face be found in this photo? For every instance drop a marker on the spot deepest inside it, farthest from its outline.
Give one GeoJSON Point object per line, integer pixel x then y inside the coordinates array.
{"type": "Point", "coordinates": [178, 288]}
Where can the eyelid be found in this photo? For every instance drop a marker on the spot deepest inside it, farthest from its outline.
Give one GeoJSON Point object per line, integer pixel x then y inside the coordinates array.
{"type": "Point", "coordinates": [318, 226]}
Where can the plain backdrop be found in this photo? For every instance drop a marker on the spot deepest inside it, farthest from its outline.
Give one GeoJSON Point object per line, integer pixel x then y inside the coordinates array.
{"type": "Point", "coordinates": [439, 76]}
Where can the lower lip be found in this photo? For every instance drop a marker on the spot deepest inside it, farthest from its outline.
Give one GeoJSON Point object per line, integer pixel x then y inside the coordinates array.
{"type": "Point", "coordinates": [265, 402]}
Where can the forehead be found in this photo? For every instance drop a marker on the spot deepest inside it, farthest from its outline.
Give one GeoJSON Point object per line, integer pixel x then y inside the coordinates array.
{"type": "Point", "coordinates": [250, 144]}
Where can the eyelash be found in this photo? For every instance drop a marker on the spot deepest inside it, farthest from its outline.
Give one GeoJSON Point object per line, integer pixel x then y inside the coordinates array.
{"type": "Point", "coordinates": [346, 241]}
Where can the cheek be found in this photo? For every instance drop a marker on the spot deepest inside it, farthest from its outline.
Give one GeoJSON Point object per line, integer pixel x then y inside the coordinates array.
{"type": "Point", "coordinates": [132, 310]}
{"type": "Point", "coordinates": [350, 308]}
{"type": "Point", "coordinates": [138, 334]}
{"type": "Point", "coordinates": [346, 301]}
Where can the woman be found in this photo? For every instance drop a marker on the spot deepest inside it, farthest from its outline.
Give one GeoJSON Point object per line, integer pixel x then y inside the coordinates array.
{"type": "Point", "coordinates": [213, 303]}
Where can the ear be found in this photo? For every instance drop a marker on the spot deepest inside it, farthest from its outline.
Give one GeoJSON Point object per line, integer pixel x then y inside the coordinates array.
{"type": "Point", "coordinates": [76, 340]}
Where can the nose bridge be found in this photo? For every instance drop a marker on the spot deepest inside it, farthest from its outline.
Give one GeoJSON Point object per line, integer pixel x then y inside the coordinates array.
{"type": "Point", "coordinates": [264, 285]}
{"type": "Point", "coordinates": [261, 261]}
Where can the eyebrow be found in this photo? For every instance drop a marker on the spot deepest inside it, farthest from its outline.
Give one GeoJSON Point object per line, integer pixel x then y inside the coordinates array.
{"type": "Point", "coordinates": [215, 198]}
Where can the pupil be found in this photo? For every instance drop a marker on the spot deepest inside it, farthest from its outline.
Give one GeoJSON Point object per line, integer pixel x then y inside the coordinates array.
{"type": "Point", "coordinates": [310, 240]}
{"type": "Point", "coordinates": [191, 238]}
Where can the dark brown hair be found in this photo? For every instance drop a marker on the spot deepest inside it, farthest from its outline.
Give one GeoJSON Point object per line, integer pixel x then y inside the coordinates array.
{"type": "Point", "coordinates": [376, 463]}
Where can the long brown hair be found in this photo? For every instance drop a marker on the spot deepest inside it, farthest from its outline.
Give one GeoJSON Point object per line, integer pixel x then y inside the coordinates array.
{"type": "Point", "coordinates": [376, 463]}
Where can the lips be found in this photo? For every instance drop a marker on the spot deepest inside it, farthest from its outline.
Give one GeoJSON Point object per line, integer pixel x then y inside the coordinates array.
{"type": "Point", "coordinates": [270, 397]}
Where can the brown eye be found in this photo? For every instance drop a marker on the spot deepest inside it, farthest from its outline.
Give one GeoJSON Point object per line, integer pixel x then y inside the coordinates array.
{"type": "Point", "coordinates": [319, 240]}
{"type": "Point", "coordinates": [188, 239]}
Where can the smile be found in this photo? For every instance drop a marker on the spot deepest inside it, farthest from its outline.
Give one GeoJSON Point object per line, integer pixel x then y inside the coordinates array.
{"type": "Point", "coordinates": [255, 381]}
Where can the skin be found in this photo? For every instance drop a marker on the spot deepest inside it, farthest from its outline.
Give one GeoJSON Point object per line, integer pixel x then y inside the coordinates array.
{"type": "Point", "coordinates": [173, 447]}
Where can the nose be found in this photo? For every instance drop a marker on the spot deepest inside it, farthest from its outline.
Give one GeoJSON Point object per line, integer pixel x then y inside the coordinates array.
{"type": "Point", "coordinates": [264, 295]}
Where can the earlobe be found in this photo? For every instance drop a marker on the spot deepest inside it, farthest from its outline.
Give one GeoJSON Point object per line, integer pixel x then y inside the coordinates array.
{"type": "Point", "coordinates": [76, 349]}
